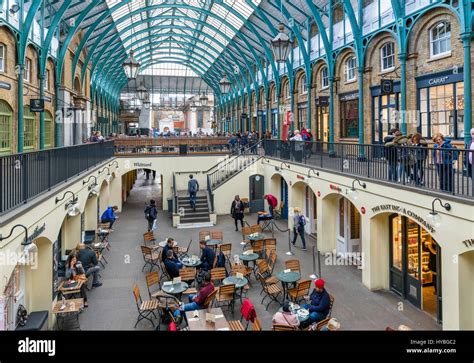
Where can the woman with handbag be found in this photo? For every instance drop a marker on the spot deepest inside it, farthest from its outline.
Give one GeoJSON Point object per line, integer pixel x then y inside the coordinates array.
{"type": "Point", "coordinates": [237, 211]}
{"type": "Point", "coordinates": [75, 272]}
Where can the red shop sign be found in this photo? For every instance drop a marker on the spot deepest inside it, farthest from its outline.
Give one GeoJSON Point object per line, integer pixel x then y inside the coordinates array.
{"type": "Point", "coordinates": [362, 210]}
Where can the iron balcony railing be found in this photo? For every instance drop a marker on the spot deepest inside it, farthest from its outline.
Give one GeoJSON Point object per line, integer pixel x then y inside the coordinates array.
{"type": "Point", "coordinates": [27, 175]}
{"type": "Point", "coordinates": [441, 170]}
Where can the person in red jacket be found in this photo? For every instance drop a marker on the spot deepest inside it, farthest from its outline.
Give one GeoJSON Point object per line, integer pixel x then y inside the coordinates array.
{"type": "Point", "coordinates": [196, 302]}
{"type": "Point", "coordinates": [272, 202]}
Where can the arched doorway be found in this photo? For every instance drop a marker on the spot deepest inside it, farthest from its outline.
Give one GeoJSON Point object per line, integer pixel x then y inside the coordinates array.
{"type": "Point", "coordinates": [303, 197]}
{"type": "Point", "coordinates": [466, 292]}
{"type": "Point", "coordinates": [348, 228]}
{"type": "Point", "coordinates": [415, 264]}
{"type": "Point", "coordinates": [279, 188]}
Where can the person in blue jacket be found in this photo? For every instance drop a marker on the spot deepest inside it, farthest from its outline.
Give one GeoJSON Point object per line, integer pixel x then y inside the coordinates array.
{"type": "Point", "coordinates": [444, 154]}
{"type": "Point", "coordinates": [109, 216]}
{"type": "Point", "coordinates": [207, 256]}
{"type": "Point", "coordinates": [320, 303]}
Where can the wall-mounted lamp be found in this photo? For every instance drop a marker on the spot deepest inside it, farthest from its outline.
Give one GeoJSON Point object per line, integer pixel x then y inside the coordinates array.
{"type": "Point", "coordinates": [71, 206]}
{"type": "Point", "coordinates": [314, 171]}
{"type": "Point", "coordinates": [109, 176]}
{"type": "Point", "coordinates": [287, 165]}
{"type": "Point", "coordinates": [28, 246]}
{"type": "Point", "coordinates": [353, 193]}
{"type": "Point", "coordinates": [264, 159]}
{"type": "Point", "coordinates": [113, 163]}
{"type": "Point", "coordinates": [433, 216]}
{"type": "Point", "coordinates": [94, 187]}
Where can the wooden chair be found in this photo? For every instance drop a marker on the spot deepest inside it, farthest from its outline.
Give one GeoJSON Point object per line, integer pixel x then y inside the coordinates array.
{"type": "Point", "coordinates": [150, 257]}
{"type": "Point", "coordinates": [256, 326]}
{"type": "Point", "coordinates": [210, 299]}
{"type": "Point", "coordinates": [218, 274]}
{"type": "Point", "coordinates": [241, 268]}
{"type": "Point", "coordinates": [153, 279]}
{"type": "Point", "coordinates": [322, 324]}
{"type": "Point", "coordinates": [219, 235]}
{"type": "Point", "coordinates": [246, 231]}
{"type": "Point", "coordinates": [245, 201]}
{"type": "Point", "coordinates": [258, 247]}
{"type": "Point", "coordinates": [331, 303]}
{"type": "Point", "coordinates": [148, 237]}
{"type": "Point", "coordinates": [236, 325]}
{"type": "Point", "coordinates": [226, 297]}
{"type": "Point", "coordinates": [269, 245]}
{"type": "Point", "coordinates": [203, 234]}
{"type": "Point", "coordinates": [272, 291]}
{"type": "Point", "coordinates": [266, 273]}
{"type": "Point", "coordinates": [145, 308]}
{"type": "Point", "coordinates": [188, 275]}
{"type": "Point", "coordinates": [272, 258]}
{"type": "Point", "coordinates": [293, 265]}
{"type": "Point", "coordinates": [283, 327]}
{"type": "Point", "coordinates": [300, 291]}
{"type": "Point", "coordinates": [183, 252]}
{"type": "Point", "coordinates": [256, 228]}
{"type": "Point", "coordinates": [164, 272]}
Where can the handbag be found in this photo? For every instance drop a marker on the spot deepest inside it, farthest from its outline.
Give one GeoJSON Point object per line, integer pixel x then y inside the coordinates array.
{"type": "Point", "coordinates": [80, 277]}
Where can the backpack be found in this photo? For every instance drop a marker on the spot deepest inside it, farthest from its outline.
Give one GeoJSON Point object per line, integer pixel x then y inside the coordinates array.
{"type": "Point", "coordinates": [148, 213]}
{"type": "Point", "coordinates": [221, 260]}
{"type": "Point", "coordinates": [301, 221]}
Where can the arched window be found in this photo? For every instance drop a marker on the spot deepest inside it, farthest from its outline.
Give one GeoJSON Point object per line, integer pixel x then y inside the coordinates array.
{"type": "Point", "coordinates": [440, 39]}
{"type": "Point", "coordinates": [303, 84]}
{"type": "Point", "coordinates": [6, 132]}
{"type": "Point", "coordinates": [30, 129]}
{"type": "Point", "coordinates": [350, 69]}
{"type": "Point", "coordinates": [287, 90]}
{"type": "Point", "coordinates": [48, 129]}
{"type": "Point", "coordinates": [3, 57]}
{"type": "Point", "coordinates": [387, 56]}
{"type": "Point", "coordinates": [324, 78]}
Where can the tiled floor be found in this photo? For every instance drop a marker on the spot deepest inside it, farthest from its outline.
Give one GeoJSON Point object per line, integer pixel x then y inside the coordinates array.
{"type": "Point", "coordinates": [112, 306]}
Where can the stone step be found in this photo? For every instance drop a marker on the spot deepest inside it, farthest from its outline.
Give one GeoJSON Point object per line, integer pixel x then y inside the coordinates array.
{"type": "Point", "coordinates": [195, 225]}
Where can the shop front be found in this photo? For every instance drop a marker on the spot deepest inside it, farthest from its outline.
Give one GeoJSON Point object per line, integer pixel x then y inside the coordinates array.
{"type": "Point", "coordinates": [349, 127]}
{"type": "Point", "coordinates": [415, 264]}
{"type": "Point", "coordinates": [274, 122]}
{"type": "Point", "coordinates": [385, 109]}
{"type": "Point", "coordinates": [441, 103]}
{"type": "Point", "coordinates": [348, 228]}
{"type": "Point", "coordinates": [322, 118]}
{"type": "Point", "coordinates": [302, 115]}
{"type": "Point", "coordinates": [263, 117]}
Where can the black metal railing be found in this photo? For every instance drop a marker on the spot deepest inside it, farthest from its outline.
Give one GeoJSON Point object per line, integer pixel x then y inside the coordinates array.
{"type": "Point", "coordinates": [27, 175]}
{"type": "Point", "coordinates": [441, 170]}
{"type": "Point", "coordinates": [175, 195]}
{"type": "Point", "coordinates": [223, 171]}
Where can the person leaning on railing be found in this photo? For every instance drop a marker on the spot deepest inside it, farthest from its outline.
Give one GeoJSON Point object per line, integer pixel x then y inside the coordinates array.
{"type": "Point", "coordinates": [444, 155]}
{"type": "Point", "coordinates": [419, 155]}
{"type": "Point", "coordinates": [469, 156]}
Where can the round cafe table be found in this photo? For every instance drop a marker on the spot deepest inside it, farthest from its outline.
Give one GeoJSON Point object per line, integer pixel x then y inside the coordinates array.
{"type": "Point", "coordinates": [213, 242]}
{"type": "Point", "coordinates": [238, 282]}
{"type": "Point", "coordinates": [295, 311]}
{"type": "Point", "coordinates": [287, 278]}
{"type": "Point", "coordinates": [175, 289]}
{"type": "Point", "coordinates": [249, 258]}
{"type": "Point", "coordinates": [191, 263]}
{"type": "Point", "coordinates": [162, 244]}
{"type": "Point", "coordinates": [255, 237]}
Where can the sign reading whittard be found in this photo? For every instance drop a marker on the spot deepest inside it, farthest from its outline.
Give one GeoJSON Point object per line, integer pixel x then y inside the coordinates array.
{"type": "Point", "coordinates": [469, 243]}
{"type": "Point", "coordinates": [142, 165]}
{"type": "Point", "coordinates": [404, 211]}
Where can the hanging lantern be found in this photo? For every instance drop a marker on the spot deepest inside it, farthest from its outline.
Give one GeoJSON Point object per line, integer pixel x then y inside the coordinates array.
{"type": "Point", "coordinates": [131, 67]}
{"type": "Point", "coordinates": [204, 100]}
{"type": "Point", "coordinates": [224, 85]}
{"type": "Point", "coordinates": [281, 45]}
{"type": "Point", "coordinates": [142, 93]}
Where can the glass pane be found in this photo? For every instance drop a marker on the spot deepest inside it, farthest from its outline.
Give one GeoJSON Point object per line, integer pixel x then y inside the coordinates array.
{"type": "Point", "coordinates": [413, 249]}
{"type": "Point", "coordinates": [341, 218]}
{"type": "Point", "coordinates": [355, 223]}
{"type": "Point", "coordinates": [397, 240]}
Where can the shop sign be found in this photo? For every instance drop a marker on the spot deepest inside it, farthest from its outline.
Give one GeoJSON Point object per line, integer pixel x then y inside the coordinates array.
{"type": "Point", "coordinates": [335, 187]}
{"type": "Point", "coordinates": [405, 212]}
{"type": "Point", "coordinates": [322, 101]}
{"type": "Point", "coordinates": [349, 96]}
{"type": "Point", "coordinates": [5, 85]}
{"type": "Point", "coordinates": [300, 177]}
{"type": "Point", "coordinates": [362, 210]}
{"type": "Point", "coordinates": [142, 165]}
{"type": "Point", "coordinates": [36, 233]}
{"type": "Point", "coordinates": [468, 243]}
{"type": "Point", "coordinates": [37, 105]}
{"type": "Point", "coordinates": [431, 80]}
{"type": "Point", "coordinates": [319, 194]}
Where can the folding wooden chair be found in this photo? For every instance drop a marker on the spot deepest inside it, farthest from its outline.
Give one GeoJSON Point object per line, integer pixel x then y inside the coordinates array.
{"type": "Point", "coordinates": [203, 234]}
{"type": "Point", "coordinates": [272, 291]}
{"type": "Point", "coordinates": [148, 237]}
{"type": "Point", "coordinates": [272, 258]}
{"type": "Point", "coordinates": [164, 272]}
{"type": "Point", "coordinates": [226, 297]}
{"type": "Point", "coordinates": [218, 274]}
{"type": "Point", "coordinates": [153, 280]}
{"type": "Point", "coordinates": [256, 228]}
{"type": "Point", "coordinates": [269, 245]}
{"type": "Point", "coordinates": [218, 235]}
{"type": "Point", "coordinates": [300, 291]}
{"type": "Point", "coordinates": [321, 324]}
{"type": "Point", "coordinates": [226, 249]}
{"type": "Point", "coordinates": [247, 312]}
{"type": "Point", "coordinates": [258, 247]}
{"type": "Point", "coordinates": [188, 275]}
{"type": "Point", "coordinates": [256, 326]}
{"type": "Point", "coordinates": [245, 232]}
{"type": "Point", "coordinates": [264, 270]}
{"type": "Point", "coordinates": [145, 308]}
{"type": "Point", "coordinates": [283, 327]}
{"type": "Point", "coordinates": [150, 257]}
{"type": "Point", "coordinates": [331, 303]}
{"type": "Point", "coordinates": [183, 252]}
{"type": "Point", "coordinates": [293, 265]}
{"type": "Point", "coordinates": [209, 299]}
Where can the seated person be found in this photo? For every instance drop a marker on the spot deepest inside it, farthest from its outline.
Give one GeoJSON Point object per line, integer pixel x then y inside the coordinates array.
{"type": "Point", "coordinates": [109, 216]}
{"type": "Point", "coordinates": [88, 257]}
{"type": "Point", "coordinates": [207, 256]}
{"type": "Point", "coordinates": [319, 303]}
{"type": "Point", "coordinates": [286, 317]}
{"type": "Point", "coordinates": [196, 302]}
{"type": "Point", "coordinates": [169, 247]}
{"type": "Point", "coordinates": [75, 271]}
{"type": "Point", "coordinates": [172, 265]}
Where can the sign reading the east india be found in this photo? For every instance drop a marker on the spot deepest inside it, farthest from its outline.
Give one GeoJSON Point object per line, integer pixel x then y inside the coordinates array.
{"type": "Point", "coordinates": [405, 212]}
{"type": "Point", "coordinates": [468, 243]}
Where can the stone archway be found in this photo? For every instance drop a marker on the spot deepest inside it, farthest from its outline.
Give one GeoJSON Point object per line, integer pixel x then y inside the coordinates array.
{"type": "Point", "coordinates": [466, 292]}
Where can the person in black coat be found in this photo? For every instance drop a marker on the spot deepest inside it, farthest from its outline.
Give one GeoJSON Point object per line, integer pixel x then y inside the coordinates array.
{"type": "Point", "coordinates": [171, 265]}
{"type": "Point", "coordinates": [207, 256]}
{"type": "Point", "coordinates": [391, 154]}
{"type": "Point", "coordinates": [237, 211]}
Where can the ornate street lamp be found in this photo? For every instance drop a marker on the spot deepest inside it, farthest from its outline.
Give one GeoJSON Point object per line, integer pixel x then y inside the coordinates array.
{"type": "Point", "coordinates": [142, 93]}
{"type": "Point", "coordinates": [131, 66]}
{"type": "Point", "coordinates": [433, 217]}
{"type": "Point", "coordinates": [204, 100]}
{"type": "Point", "coordinates": [281, 45]}
{"type": "Point", "coordinates": [225, 85]}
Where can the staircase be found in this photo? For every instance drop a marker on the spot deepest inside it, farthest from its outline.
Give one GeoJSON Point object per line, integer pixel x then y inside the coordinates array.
{"type": "Point", "coordinates": [190, 218]}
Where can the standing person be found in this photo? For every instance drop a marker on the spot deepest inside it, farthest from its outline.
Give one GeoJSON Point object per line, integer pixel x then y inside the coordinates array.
{"type": "Point", "coordinates": [109, 216]}
{"type": "Point", "coordinates": [444, 155]}
{"type": "Point", "coordinates": [399, 143]}
{"type": "Point", "coordinates": [420, 154]}
{"type": "Point", "coordinates": [244, 140]}
{"type": "Point", "coordinates": [154, 174]}
{"type": "Point", "coordinates": [469, 158]}
{"type": "Point", "coordinates": [391, 155]}
{"type": "Point", "coordinates": [151, 214]}
{"type": "Point", "coordinates": [298, 146]}
{"type": "Point", "coordinates": [193, 188]}
{"type": "Point", "coordinates": [75, 271]}
{"type": "Point", "coordinates": [308, 139]}
{"type": "Point", "coordinates": [147, 173]}
{"type": "Point", "coordinates": [272, 202]}
{"type": "Point", "coordinates": [298, 227]}
{"type": "Point", "coordinates": [237, 211]}
{"type": "Point", "coordinates": [89, 261]}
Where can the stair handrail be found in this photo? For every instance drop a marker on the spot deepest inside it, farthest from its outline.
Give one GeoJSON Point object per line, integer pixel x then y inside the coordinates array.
{"type": "Point", "coordinates": [175, 195]}
{"type": "Point", "coordinates": [210, 194]}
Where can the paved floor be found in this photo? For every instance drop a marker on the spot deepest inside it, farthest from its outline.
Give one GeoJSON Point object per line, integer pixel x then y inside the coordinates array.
{"type": "Point", "coordinates": [112, 307]}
